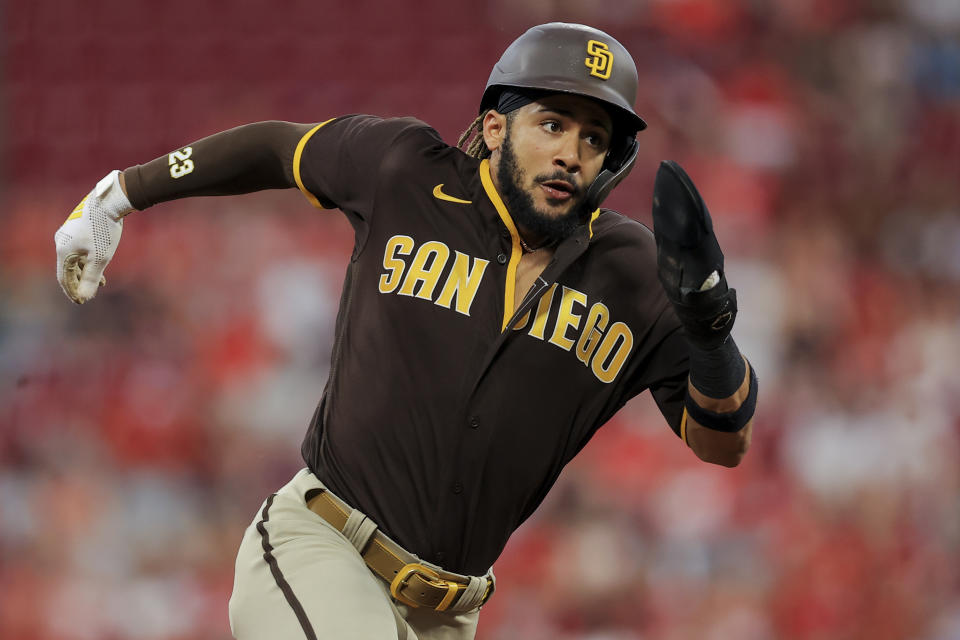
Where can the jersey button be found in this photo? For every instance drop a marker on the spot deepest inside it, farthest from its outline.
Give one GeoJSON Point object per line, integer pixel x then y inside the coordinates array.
{"type": "Point", "coordinates": [502, 258]}
{"type": "Point", "coordinates": [457, 488]}
{"type": "Point", "coordinates": [474, 422]}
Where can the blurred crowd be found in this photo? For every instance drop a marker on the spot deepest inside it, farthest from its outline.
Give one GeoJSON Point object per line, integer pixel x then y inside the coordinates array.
{"type": "Point", "coordinates": [139, 433]}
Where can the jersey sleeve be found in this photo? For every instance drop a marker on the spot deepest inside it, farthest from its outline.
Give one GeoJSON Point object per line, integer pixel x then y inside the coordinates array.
{"type": "Point", "coordinates": [338, 163]}
{"type": "Point", "coordinates": [663, 365]}
{"type": "Point", "coordinates": [660, 360]}
{"type": "Point", "coordinates": [669, 388]}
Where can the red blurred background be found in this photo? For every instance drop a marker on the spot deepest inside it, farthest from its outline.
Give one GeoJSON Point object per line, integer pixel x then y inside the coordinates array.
{"type": "Point", "coordinates": [139, 433]}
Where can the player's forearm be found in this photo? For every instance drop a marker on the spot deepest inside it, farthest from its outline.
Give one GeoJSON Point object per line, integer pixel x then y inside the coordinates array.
{"type": "Point", "coordinates": [726, 448]}
{"type": "Point", "coordinates": [717, 447]}
{"type": "Point", "coordinates": [249, 158]}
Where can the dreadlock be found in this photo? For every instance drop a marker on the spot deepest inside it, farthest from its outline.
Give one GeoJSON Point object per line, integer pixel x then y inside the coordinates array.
{"type": "Point", "coordinates": [476, 147]}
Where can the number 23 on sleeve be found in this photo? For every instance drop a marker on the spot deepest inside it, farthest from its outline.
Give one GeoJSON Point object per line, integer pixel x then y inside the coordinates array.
{"type": "Point", "coordinates": [180, 162]}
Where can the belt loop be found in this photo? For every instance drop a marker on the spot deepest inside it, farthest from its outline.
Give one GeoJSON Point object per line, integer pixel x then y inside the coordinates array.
{"type": "Point", "coordinates": [359, 529]}
{"type": "Point", "coordinates": [472, 596]}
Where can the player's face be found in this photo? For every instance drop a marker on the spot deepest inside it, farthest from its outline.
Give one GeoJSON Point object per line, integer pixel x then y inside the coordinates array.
{"type": "Point", "coordinates": [551, 151]}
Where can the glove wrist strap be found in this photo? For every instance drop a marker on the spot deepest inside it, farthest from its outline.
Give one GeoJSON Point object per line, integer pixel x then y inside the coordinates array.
{"type": "Point", "coordinates": [112, 198]}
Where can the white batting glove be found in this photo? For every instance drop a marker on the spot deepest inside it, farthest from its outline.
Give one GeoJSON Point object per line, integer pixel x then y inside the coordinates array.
{"type": "Point", "coordinates": [88, 239]}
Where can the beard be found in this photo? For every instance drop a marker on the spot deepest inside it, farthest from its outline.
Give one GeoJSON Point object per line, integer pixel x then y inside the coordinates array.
{"type": "Point", "coordinates": [550, 229]}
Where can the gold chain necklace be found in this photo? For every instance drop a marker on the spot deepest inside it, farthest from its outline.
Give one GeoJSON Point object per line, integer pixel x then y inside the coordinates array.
{"type": "Point", "coordinates": [526, 247]}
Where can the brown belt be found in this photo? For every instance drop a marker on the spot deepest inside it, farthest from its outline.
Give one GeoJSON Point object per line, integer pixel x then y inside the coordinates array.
{"type": "Point", "coordinates": [411, 582]}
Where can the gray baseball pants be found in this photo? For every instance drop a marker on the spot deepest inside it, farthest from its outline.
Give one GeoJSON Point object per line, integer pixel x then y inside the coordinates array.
{"type": "Point", "coordinates": [298, 578]}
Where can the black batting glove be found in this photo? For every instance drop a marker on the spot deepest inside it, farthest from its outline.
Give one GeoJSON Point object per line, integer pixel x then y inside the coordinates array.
{"type": "Point", "coordinates": [687, 255]}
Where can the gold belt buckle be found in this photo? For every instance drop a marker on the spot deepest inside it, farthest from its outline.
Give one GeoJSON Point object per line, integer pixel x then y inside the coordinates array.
{"type": "Point", "coordinates": [431, 576]}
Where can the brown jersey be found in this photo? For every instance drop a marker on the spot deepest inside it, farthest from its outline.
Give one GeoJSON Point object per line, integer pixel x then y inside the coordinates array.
{"type": "Point", "coordinates": [449, 414]}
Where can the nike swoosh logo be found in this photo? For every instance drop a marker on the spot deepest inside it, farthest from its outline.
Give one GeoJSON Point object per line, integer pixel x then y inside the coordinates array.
{"type": "Point", "coordinates": [440, 195]}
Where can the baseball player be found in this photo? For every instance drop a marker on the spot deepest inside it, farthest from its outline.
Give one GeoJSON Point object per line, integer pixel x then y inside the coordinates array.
{"type": "Point", "coordinates": [493, 318]}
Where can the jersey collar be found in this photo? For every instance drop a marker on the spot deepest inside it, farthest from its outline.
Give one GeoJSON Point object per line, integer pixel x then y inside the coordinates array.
{"type": "Point", "coordinates": [566, 252]}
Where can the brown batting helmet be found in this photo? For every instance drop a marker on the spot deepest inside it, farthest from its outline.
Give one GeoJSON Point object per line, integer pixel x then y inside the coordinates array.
{"type": "Point", "coordinates": [569, 58]}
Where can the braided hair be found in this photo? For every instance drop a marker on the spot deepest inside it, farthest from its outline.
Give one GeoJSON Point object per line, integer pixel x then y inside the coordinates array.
{"type": "Point", "coordinates": [471, 140]}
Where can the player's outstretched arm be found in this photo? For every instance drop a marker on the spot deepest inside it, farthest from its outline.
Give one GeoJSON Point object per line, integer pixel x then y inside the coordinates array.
{"type": "Point", "coordinates": [250, 158]}
{"type": "Point", "coordinates": [722, 387]}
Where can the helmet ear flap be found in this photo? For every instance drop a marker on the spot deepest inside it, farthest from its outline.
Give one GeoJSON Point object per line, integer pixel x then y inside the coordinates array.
{"type": "Point", "coordinates": [616, 166]}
